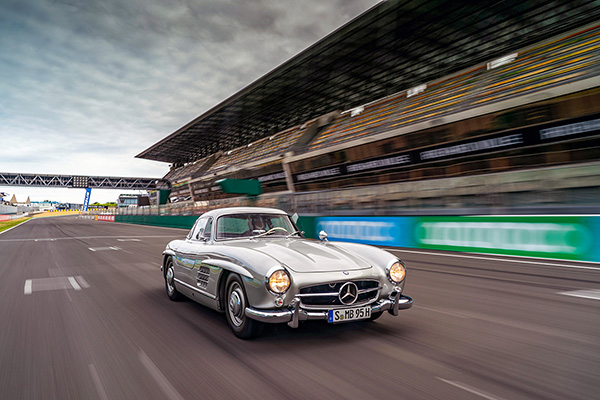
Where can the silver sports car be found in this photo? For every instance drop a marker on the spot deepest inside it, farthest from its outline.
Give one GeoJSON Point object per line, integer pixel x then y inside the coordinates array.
{"type": "Point", "coordinates": [254, 265]}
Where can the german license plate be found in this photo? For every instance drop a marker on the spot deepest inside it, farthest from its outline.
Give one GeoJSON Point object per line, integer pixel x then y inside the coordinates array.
{"type": "Point", "coordinates": [349, 314]}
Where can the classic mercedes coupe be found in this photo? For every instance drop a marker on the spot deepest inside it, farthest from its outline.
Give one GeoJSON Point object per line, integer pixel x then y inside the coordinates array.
{"type": "Point", "coordinates": [255, 265]}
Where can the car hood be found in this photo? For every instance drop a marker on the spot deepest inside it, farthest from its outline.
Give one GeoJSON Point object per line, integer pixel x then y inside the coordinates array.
{"type": "Point", "coordinates": [303, 255]}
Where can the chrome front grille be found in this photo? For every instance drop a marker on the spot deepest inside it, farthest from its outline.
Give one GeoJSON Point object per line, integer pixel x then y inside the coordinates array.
{"type": "Point", "coordinates": [327, 296]}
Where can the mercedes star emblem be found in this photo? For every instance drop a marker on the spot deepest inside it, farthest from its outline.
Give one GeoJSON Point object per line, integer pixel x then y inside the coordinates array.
{"type": "Point", "coordinates": [348, 293]}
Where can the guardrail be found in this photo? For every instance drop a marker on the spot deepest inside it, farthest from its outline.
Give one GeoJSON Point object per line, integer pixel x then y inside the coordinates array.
{"type": "Point", "coordinates": [8, 217]}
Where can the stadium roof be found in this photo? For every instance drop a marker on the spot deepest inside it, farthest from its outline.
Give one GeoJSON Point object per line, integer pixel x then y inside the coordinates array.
{"type": "Point", "coordinates": [391, 47]}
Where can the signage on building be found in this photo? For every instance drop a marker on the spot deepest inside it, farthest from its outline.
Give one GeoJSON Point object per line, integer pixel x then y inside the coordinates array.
{"type": "Point", "coordinates": [515, 139]}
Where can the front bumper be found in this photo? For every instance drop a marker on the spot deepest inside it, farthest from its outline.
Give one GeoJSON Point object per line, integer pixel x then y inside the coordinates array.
{"type": "Point", "coordinates": [295, 313]}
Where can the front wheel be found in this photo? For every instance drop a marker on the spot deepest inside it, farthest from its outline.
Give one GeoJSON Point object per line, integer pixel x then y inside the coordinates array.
{"type": "Point", "coordinates": [235, 310]}
{"type": "Point", "coordinates": [170, 280]}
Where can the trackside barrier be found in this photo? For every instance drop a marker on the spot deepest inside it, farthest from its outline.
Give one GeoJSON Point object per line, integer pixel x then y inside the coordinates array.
{"type": "Point", "coordinates": [558, 237]}
{"type": "Point", "coordinates": [12, 216]}
{"type": "Point", "coordinates": [169, 221]}
{"type": "Point", "coordinates": [108, 218]}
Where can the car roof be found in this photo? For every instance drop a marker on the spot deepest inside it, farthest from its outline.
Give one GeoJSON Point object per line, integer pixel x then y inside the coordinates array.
{"type": "Point", "coordinates": [242, 210]}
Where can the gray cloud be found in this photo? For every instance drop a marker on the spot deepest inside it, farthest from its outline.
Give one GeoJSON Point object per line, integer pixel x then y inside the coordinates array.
{"type": "Point", "coordinates": [88, 84]}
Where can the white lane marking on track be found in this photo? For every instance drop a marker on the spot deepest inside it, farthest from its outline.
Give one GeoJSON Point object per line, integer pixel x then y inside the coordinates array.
{"type": "Point", "coordinates": [28, 286]}
{"type": "Point", "coordinates": [83, 237]}
{"type": "Point", "coordinates": [98, 382]}
{"type": "Point", "coordinates": [495, 259]}
{"type": "Point", "coordinates": [54, 283]}
{"type": "Point", "coordinates": [128, 240]}
{"type": "Point", "coordinates": [593, 294]}
{"type": "Point", "coordinates": [166, 386]}
{"type": "Point", "coordinates": [74, 283]}
{"type": "Point", "coordinates": [469, 389]}
{"type": "Point", "coordinates": [82, 281]}
{"type": "Point", "coordinates": [103, 248]}
{"type": "Point", "coordinates": [16, 226]}
{"type": "Point", "coordinates": [443, 312]}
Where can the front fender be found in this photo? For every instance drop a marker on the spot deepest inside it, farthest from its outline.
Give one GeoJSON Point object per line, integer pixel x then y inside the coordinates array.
{"type": "Point", "coordinates": [229, 266]}
{"type": "Point", "coordinates": [167, 253]}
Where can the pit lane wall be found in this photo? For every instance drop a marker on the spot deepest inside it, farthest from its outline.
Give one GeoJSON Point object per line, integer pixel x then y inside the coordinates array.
{"type": "Point", "coordinates": [557, 237]}
{"type": "Point", "coordinates": [169, 221]}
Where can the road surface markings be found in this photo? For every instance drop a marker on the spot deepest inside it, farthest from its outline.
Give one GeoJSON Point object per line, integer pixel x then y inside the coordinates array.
{"type": "Point", "coordinates": [168, 389]}
{"type": "Point", "coordinates": [469, 389]}
{"type": "Point", "coordinates": [54, 283]}
{"type": "Point", "coordinates": [103, 248]}
{"type": "Point", "coordinates": [511, 260]}
{"type": "Point", "coordinates": [443, 312]}
{"type": "Point", "coordinates": [16, 226]}
{"type": "Point", "coordinates": [128, 240]}
{"type": "Point", "coordinates": [74, 283]}
{"type": "Point", "coordinates": [98, 382]}
{"type": "Point", "coordinates": [86, 237]}
{"type": "Point", "coordinates": [82, 281]}
{"type": "Point", "coordinates": [593, 294]}
{"type": "Point", "coordinates": [45, 240]}
{"type": "Point", "coordinates": [28, 285]}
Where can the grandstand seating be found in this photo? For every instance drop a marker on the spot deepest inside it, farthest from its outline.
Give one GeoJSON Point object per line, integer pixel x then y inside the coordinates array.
{"type": "Point", "coordinates": [188, 171]}
{"type": "Point", "coordinates": [551, 64]}
{"type": "Point", "coordinates": [274, 145]}
{"type": "Point", "coordinates": [557, 62]}
{"type": "Point", "coordinates": [372, 120]}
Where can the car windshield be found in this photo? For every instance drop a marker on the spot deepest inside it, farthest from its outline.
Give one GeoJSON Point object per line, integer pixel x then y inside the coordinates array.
{"type": "Point", "coordinates": [235, 226]}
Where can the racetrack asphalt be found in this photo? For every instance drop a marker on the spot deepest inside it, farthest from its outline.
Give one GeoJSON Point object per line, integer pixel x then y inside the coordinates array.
{"type": "Point", "coordinates": [85, 316]}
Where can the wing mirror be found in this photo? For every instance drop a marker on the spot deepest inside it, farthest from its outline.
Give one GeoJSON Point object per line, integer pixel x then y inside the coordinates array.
{"type": "Point", "coordinates": [323, 236]}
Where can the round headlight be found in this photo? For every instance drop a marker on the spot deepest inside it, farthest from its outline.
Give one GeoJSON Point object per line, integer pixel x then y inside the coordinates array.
{"type": "Point", "coordinates": [397, 272]}
{"type": "Point", "coordinates": [279, 281]}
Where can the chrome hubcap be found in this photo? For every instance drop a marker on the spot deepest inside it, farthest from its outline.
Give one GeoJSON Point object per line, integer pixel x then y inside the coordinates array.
{"type": "Point", "coordinates": [170, 276]}
{"type": "Point", "coordinates": [236, 304]}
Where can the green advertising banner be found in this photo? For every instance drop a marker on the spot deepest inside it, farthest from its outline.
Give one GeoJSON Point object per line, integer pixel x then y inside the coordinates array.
{"type": "Point", "coordinates": [563, 237]}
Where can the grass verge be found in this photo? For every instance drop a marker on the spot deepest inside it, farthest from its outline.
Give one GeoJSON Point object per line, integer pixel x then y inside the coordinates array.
{"type": "Point", "coordinates": [4, 225]}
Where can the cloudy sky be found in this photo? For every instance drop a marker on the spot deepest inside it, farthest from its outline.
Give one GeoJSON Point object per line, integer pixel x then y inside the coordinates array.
{"type": "Point", "coordinates": [88, 84]}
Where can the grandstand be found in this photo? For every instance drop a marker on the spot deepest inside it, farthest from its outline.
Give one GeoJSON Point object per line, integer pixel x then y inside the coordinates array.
{"type": "Point", "coordinates": [463, 133]}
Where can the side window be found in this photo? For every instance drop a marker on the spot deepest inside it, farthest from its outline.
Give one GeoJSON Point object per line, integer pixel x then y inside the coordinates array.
{"type": "Point", "coordinates": [207, 230]}
{"type": "Point", "coordinates": [198, 229]}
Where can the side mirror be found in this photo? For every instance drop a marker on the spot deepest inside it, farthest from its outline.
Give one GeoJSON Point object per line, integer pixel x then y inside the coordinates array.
{"type": "Point", "coordinates": [323, 236]}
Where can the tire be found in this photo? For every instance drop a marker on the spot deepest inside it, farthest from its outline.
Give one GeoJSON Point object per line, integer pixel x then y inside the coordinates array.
{"type": "Point", "coordinates": [170, 281]}
{"type": "Point", "coordinates": [235, 306]}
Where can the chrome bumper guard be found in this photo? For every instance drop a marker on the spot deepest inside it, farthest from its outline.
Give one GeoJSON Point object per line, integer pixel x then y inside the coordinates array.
{"type": "Point", "coordinates": [295, 314]}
